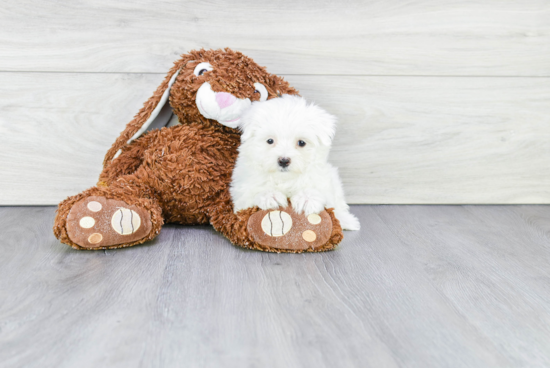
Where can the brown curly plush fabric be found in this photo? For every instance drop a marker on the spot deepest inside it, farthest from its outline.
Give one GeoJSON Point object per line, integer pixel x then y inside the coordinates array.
{"type": "Point", "coordinates": [181, 174]}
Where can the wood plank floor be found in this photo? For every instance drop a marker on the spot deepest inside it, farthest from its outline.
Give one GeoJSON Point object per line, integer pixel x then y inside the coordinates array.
{"type": "Point", "coordinates": [418, 286]}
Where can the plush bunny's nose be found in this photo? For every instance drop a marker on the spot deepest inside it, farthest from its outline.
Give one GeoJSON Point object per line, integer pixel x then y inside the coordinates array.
{"type": "Point", "coordinates": [225, 99]}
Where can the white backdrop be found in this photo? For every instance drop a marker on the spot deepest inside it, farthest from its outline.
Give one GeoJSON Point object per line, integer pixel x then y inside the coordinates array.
{"type": "Point", "coordinates": [439, 102]}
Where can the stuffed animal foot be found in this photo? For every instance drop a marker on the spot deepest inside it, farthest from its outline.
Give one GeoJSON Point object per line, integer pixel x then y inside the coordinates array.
{"type": "Point", "coordinates": [287, 231]}
{"type": "Point", "coordinates": [97, 222]}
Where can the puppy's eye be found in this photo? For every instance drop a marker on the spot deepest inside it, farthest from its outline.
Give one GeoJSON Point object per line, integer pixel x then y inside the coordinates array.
{"type": "Point", "coordinates": [260, 88]}
{"type": "Point", "coordinates": [202, 68]}
{"type": "Point", "coordinates": [301, 143]}
{"type": "Point", "coordinates": [270, 141]}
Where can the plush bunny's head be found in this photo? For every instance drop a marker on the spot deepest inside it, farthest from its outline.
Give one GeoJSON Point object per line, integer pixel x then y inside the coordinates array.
{"type": "Point", "coordinates": [213, 87]}
{"type": "Point", "coordinates": [220, 85]}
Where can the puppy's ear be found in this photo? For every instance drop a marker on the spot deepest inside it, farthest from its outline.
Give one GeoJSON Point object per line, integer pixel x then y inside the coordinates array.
{"type": "Point", "coordinates": [155, 113]}
{"type": "Point", "coordinates": [247, 132]}
{"type": "Point", "coordinates": [325, 125]}
{"type": "Point", "coordinates": [247, 126]}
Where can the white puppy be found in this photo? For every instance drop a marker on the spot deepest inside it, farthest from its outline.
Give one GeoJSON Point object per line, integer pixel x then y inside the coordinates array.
{"type": "Point", "coordinates": [283, 154]}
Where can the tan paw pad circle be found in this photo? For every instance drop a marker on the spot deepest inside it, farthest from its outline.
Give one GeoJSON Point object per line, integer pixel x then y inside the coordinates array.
{"type": "Point", "coordinates": [94, 206]}
{"type": "Point", "coordinates": [314, 219]}
{"type": "Point", "coordinates": [95, 238]}
{"type": "Point", "coordinates": [86, 222]}
{"type": "Point", "coordinates": [125, 221]}
{"type": "Point", "coordinates": [276, 223]}
{"type": "Point", "coordinates": [309, 236]}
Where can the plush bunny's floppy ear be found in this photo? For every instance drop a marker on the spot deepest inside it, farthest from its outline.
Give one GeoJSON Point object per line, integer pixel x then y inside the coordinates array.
{"type": "Point", "coordinates": [155, 113]}
{"type": "Point", "coordinates": [160, 115]}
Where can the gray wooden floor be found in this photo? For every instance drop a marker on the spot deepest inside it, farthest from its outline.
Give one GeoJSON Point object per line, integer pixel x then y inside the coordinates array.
{"type": "Point", "coordinates": [418, 286]}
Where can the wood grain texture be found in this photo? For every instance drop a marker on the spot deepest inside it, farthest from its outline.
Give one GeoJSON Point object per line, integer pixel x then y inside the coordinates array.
{"type": "Point", "coordinates": [55, 129]}
{"type": "Point", "coordinates": [400, 139]}
{"type": "Point", "coordinates": [393, 37]}
{"type": "Point", "coordinates": [418, 286]}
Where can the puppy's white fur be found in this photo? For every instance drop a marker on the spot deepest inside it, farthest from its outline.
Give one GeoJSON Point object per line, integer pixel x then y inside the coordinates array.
{"type": "Point", "coordinates": [309, 180]}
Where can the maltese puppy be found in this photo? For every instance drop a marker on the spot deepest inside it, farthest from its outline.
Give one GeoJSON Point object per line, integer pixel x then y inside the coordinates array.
{"type": "Point", "coordinates": [283, 154]}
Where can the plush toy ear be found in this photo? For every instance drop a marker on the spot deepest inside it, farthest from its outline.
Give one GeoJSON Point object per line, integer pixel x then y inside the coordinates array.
{"type": "Point", "coordinates": [160, 115]}
{"type": "Point", "coordinates": [155, 113]}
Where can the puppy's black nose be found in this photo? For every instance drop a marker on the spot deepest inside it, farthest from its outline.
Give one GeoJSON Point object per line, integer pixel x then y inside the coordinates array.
{"type": "Point", "coordinates": [283, 161]}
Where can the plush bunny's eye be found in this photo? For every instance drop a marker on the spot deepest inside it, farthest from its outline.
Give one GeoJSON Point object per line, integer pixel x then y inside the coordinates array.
{"type": "Point", "coordinates": [202, 68]}
{"type": "Point", "coordinates": [260, 88]}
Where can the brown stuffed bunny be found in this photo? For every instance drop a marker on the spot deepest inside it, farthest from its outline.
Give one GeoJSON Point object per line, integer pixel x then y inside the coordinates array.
{"type": "Point", "coordinates": [181, 173]}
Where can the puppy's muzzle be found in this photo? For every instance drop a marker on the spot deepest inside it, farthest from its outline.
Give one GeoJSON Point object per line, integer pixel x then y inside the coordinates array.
{"type": "Point", "coordinates": [283, 162]}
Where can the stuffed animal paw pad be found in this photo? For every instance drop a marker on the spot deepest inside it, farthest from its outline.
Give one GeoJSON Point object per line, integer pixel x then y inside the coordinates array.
{"type": "Point", "coordinates": [287, 230]}
{"type": "Point", "coordinates": [97, 222]}
{"type": "Point", "coordinates": [276, 223]}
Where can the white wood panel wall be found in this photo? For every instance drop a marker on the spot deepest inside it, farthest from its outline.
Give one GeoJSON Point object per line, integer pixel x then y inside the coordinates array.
{"type": "Point", "coordinates": [439, 102]}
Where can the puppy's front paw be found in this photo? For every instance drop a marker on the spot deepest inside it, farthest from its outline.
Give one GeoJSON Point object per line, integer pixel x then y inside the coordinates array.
{"type": "Point", "coordinates": [308, 202]}
{"type": "Point", "coordinates": [271, 200]}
